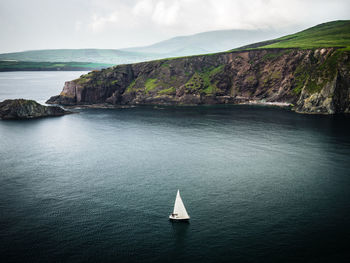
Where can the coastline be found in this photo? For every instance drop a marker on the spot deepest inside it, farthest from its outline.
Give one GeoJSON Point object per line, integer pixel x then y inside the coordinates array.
{"type": "Point", "coordinates": [112, 106]}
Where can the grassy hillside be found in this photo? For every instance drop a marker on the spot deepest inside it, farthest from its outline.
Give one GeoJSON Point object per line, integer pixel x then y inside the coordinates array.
{"type": "Point", "coordinates": [331, 34]}
{"type": "Point", "coordinates": [108, 56]}
{"type": "Point", "coordinates": [205, 42]}
{"type": "Point", "coordinates": [52, 66]}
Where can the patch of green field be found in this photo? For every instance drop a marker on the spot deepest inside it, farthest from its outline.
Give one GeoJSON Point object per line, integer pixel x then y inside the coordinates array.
{"type": "Point", "coordinates": [194, 82]}
{"type": "Point", "coordinates": [169, 91]}
{"type": "Point", "coordinates": [301, 76]}
{"type": "Point", "coordinates": [131, 86]}
{"type": "Point", "coordinates": [52, 66]}
{"type": "Point", "coordinates": [203, 81]}
{"type": "Point", "coordinates": [150, 85]}
{"type": "Point", "coordinates": [312, 87]}
{"type": "Point", "coordinates": [82, 81]}
{"type": "Point", "coordinates": [107, 56]}
{"type": "Point", "coordinates": [165, 65]}
{"type": "Point", "coordinates": [331, 34]}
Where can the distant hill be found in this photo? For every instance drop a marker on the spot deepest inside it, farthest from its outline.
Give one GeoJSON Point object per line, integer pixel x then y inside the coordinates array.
{"type": "Point", "coordinates": [207, 42]}
{"type": "Point", "coordinates": [109, 56]}
{"type": "Point", "coordinates": [50, 66]}
{"type": "Point", "coordinates": [331, 34]}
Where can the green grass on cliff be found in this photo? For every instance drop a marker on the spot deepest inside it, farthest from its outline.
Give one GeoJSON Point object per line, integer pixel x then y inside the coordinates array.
{"type": "Point", "coordinates": [131, 86]}
{"type": "Point", "coordinates": [331, 34]}
{"type": "Point", "coordinates": [169, 91]}
{"type": "Point", "coordinates": [316, 75]}
{"type": "Point", "coordinates": [150, 85]}
{"type": "Point", "coordinates": [204, 80]}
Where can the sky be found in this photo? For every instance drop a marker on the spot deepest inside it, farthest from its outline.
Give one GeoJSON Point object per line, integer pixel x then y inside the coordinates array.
{"type": "Point", "coordinates": [52, 24]}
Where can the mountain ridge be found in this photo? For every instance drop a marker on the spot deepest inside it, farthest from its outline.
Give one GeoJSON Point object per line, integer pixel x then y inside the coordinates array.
{"type": "Point", "coordinates": [208, 42]}
{"type": "Point", "coordinates": [205, 42]}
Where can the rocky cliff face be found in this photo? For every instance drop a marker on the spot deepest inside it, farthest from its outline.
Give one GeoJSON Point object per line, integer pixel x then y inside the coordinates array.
{"type": "Point", "coordinates": [27, 109]}
{"type": "Point", "coordinates": [313, 81]}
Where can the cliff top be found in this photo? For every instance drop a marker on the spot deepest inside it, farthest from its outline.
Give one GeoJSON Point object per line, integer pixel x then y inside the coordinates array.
{"type": "Point", "coordinates": [330, 34]}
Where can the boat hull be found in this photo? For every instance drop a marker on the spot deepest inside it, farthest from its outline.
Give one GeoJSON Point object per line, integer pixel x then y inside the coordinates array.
{"type": "Point", "coordinates": [174, 218]}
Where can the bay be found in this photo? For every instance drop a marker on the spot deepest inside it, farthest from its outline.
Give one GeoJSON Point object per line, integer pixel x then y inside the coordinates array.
{"type": "Point", "coordinates": [261, 184]}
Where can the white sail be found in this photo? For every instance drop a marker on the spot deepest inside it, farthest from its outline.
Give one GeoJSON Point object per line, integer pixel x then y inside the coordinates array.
{"type": "Point", "coordinates": [179, 208]}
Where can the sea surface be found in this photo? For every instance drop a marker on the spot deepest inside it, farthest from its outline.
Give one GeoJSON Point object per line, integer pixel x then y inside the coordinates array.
{"type": "Point", "coordinates": [261, 184]}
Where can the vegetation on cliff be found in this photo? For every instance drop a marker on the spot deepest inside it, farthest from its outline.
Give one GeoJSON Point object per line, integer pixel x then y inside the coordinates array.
{"type": "Point", "coordinates": [315, 80]}
{"type": "Point", "coordinates": [331, 34]}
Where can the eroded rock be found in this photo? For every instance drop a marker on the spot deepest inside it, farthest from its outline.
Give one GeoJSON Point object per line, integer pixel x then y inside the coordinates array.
{"type": "Point", "coordinates": [28, 109]}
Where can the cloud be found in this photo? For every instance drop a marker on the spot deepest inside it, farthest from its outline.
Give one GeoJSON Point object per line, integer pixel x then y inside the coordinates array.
{"type": "Point", "coordinates": [166, 14]}
{"type": "Point", "coordinates": [78, 25]}
{"type": "Point", "coordinates": [161, 19]}
{"type": "Point", "coordinates": [190, 16]}
{"type": "Point", "coordinates": [143, 8]}
{"type": "Point", "coordinates": [121, 23]}
{"type": "Point", "coordinates": [99, 22]}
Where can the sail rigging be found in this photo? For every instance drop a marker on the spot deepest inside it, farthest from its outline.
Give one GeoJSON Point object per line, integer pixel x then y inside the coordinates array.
{"type": "Point", "coordinates": [179, 212]}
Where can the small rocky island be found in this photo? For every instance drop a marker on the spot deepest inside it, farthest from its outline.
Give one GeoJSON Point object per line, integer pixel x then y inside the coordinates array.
{"type": "Point", "coordinates": [28, 109]}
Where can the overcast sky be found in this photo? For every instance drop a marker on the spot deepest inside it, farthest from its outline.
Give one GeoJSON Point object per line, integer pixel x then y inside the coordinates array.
{"type": "Point", "coordinates": [49, 24]}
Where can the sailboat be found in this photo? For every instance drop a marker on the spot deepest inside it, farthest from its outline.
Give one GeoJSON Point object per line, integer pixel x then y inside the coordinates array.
{"type": "Point", "coordinates": [179, 212]}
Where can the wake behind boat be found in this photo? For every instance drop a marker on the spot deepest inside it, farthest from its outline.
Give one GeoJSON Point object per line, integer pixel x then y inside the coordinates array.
{"type": "Point", "coordinates": [179, 212]}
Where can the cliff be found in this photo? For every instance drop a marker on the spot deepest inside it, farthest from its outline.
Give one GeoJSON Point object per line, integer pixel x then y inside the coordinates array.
{"type": "Point", "coordinates": [27, 109]}
{"type": "Point", "coordinates": [312, 81]}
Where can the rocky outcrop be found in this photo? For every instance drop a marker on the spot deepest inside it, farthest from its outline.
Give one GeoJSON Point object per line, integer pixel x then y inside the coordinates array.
{"type": "Point", "coordinates": [28, 109]}
{"type": "Point", "coordinates": [313, 81]}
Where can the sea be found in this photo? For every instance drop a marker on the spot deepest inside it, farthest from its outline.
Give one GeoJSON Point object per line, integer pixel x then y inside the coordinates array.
{"type": "Point", "coordinates": [261, 184]}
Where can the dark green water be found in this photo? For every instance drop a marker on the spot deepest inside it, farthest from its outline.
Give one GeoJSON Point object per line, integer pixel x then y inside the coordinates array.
{"type": "Point", "coordinates": [260, 184]}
